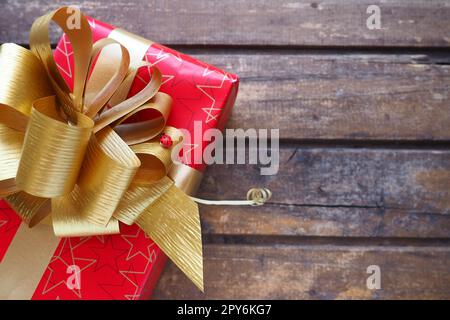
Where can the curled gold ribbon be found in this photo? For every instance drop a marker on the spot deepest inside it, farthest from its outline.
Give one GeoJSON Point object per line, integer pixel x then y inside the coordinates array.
{"type": "Point", "coordinates": [76, 156]}
{"type": "Point", "coordinates": [52, 151]}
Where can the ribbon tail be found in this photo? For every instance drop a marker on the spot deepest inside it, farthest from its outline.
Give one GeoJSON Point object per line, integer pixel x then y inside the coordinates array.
{"type": "Point", "coordinates": [108, 169]}
{"type": "Point", "coordinates": [30, 208]}
{"type": "Point", "coordinates": [173, 222]}
{"type": "Point", "coordinates": [68, 222]}
{"type": "Point", "coordinates": [138, 198]}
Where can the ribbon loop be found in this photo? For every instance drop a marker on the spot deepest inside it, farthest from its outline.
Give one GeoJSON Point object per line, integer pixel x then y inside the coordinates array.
{"type": "Point", "coordinates": [108, 170]}
{"type": "Point", "coordinates": [68, 153]}
{"type": "Point", "coordinates": [68, 222]}
{"type": "Point", "coordinates": [17, 91]}
{"type": "Point", "coordinates": [103, 83]}
{"type": "Point", "coordinates": [131, 104]}
{"type": "Point", "coordinates": [53, 151]}
{"type": "Point", "coordinates": [138, 132]}
{"type": "Point", "coordinates": [81, 40]}
{"type": "Point", "coordinates": [10, 152]}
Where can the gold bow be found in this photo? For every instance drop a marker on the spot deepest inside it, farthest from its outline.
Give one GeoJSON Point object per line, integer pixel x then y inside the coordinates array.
{"type": "Point", "coordinates": [74, 155]}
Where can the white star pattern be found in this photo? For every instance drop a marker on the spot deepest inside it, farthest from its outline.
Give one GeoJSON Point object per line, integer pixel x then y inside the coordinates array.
{"type": "Point", "coordinates": [126, 274]}
{"type": "Point", "coordinates": [187, 150]}
{"type": "Point", "coordinates": [209, 110]}
{"type": "Point", "coordinates": [65, 51]}
{"type": "Point", "coordinates": [160, 56]}
{"type": "Point", "coordinates": [91, 23]}
{"type": "Point", "coordinates": [149, 258]}
{"type": "Point", "coordinates": [129, 256]}
{"type": "Point", "coordinates": [58, 257]}
{"type": "Point", "coordinates": [207, 72]}
{"type": "Point", "coordinates": [101, 238]}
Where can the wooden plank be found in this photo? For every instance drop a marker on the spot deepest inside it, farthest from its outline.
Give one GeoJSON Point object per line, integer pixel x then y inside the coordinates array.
{"type": "Point", "coordinates": [313, 272]}
{"type": "Point", "coordinates": [321, 96]}
{"type": "Point", "coordinates": [237, 22]}
{"type": "Point", "coordinates": [354, 97]}
{"type": "Point", "coordinates": [336, 192]}
{"type": "Point", "coordinates": [325, 96]}
{"type": "Point", "coordinates": [322, 221]}
{"type": "Point", "coordinates": [404, 179]}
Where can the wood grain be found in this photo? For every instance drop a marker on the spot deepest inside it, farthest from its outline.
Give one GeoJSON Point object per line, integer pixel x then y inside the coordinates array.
{"type": "Point", "coordinates": [334, 96]}
{"type": "Point", "coordinates": [322, 96]}
{"type": "Point", "coordinates": [347, 192]}
{"type": "Point", "coordinates": [313, 272]}
{"type": "Point", "coordinates": [252, 22]}
{"type": "Point", "coordinates": [322, 221]}
{"type": "Point", "coordinates": [413, 180]}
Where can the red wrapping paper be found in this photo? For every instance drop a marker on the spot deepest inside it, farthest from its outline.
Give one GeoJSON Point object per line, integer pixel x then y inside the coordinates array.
{"type": "Point", "coordinates": [127, 266]}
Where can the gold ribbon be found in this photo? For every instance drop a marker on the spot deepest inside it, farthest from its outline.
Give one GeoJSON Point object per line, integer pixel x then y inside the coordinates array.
{"type": "Point", "coordinates": [74, 155]}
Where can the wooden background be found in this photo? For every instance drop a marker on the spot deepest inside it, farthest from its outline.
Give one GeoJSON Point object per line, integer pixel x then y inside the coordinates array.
{"type": "Point", "coordinates": [364, 118]}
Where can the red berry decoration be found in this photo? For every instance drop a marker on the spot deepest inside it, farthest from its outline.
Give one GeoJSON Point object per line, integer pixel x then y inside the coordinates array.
{"type": "Point", "coordinates": [165, 141]}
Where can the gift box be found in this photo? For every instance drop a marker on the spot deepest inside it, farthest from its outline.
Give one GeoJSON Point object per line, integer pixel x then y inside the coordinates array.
{"type": "Point", "coordinates": [125, 265]}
